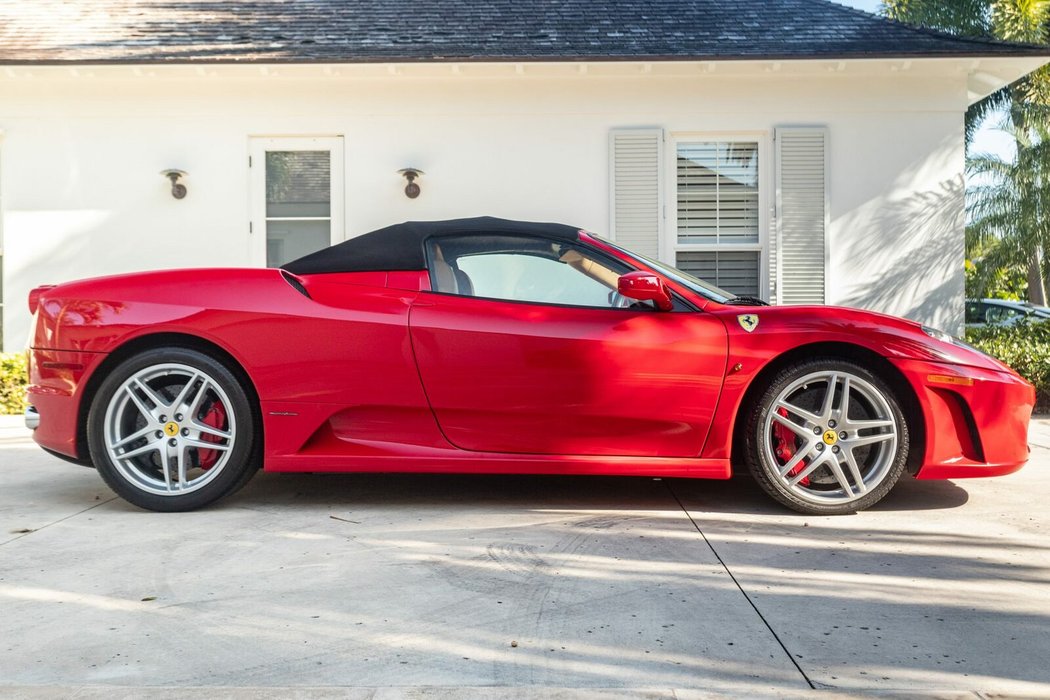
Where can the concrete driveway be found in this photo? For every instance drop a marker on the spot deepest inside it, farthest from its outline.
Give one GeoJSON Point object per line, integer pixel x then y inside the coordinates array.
{"type": "Point", "coordinates": [336, 585]}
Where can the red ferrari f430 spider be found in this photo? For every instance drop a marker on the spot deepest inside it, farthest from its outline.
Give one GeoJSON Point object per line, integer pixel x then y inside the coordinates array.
{"type": "Point", "coordinates": [493, 346]}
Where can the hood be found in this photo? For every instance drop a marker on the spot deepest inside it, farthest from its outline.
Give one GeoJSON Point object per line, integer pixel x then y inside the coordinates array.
{"type": "Point", "coordinates": [890, 336]}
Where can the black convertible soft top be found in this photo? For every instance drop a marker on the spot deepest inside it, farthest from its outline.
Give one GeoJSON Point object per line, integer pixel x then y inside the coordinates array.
{"type": "Point", "coordinates": [400, 247]}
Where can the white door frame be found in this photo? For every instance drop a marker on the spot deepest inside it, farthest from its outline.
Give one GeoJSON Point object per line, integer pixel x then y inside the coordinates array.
{"type": "Point", "coordinates": [257, 148]}
{"type": "Point", "coordinates": [669, 247]}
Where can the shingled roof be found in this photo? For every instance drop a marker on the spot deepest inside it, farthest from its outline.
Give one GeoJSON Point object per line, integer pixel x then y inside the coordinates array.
{"type": "Point", "coordinates": [363, 31]}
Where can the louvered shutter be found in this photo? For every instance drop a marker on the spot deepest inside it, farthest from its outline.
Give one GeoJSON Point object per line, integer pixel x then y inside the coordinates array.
{"type": "Point", "coordinates": [802, 215]}
{"type": "Point", "coordinates": [635, 184]}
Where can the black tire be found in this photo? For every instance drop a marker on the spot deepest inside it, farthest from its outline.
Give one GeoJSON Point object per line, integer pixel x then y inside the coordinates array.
{"type": "Point", "coordinates": [768, 452]}
{"type": "Point", "coordinates": [132, 479]}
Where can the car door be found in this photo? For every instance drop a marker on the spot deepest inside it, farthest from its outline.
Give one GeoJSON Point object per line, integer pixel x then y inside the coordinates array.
{"type": "Point", "coordinates": [524, 347]}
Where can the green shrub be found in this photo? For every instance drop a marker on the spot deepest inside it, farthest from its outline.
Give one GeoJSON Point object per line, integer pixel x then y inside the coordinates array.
{"type": "Point", "coordinates": [13, 379]}
{"type": "Point", "coordinates": [1025, 347]}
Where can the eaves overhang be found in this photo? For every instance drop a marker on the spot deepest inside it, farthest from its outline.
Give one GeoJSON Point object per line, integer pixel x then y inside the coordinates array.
{"type": "Point", "coordinates": [983, 75]}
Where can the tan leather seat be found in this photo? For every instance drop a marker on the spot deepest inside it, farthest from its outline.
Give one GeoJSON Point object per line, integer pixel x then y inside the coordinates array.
{"type": "Point", "coordinates": [463, 283]}
{"type": "Point", "coordinates": [444, 275]}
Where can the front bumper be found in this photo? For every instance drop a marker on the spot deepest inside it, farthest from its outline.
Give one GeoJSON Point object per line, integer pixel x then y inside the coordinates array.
{"type": "Point", "coordinates": [976, 420]}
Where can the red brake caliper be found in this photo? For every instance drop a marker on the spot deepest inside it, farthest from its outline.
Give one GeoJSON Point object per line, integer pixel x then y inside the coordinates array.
{"type": "Point", "coordinates": [784, 446]}
{"type": "Point", "coordinates": [216, 418]}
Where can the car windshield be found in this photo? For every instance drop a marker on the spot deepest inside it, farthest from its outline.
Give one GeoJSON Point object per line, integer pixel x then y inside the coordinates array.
{"type": "Point", "coordinates": [704, 289]}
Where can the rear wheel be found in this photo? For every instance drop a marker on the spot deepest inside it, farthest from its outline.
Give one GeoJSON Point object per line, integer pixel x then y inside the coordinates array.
{"type": "Point", "coordinates": [172, 430]}
{"type": "Point", "coordinates": [827, 437]}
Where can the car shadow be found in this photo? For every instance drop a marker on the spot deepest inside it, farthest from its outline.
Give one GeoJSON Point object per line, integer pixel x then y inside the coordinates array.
{"type": "Point", "coordinates": [737, 495]}
{"type": "Point", "coordinates": [742, 495]}
{"type": "Point", "coordinates": [443, 490]}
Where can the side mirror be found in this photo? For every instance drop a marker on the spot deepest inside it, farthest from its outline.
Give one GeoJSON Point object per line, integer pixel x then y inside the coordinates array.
{"type": "Point", "coordinates": [645, 286]}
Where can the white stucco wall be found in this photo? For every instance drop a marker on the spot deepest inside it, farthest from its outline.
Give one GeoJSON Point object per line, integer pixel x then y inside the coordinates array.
{"type": "Point", "coordinates": [80, 155]}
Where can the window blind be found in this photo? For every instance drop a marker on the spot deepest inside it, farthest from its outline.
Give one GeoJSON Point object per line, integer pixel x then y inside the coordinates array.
{"type": "Point", "coordinates": [718, 192]}
{"type": "Point", "coordinates": [735, 271]}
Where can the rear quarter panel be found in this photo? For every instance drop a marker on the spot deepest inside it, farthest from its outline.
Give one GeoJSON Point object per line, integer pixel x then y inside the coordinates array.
{"type": "Point", "coordinates": [310, 358]}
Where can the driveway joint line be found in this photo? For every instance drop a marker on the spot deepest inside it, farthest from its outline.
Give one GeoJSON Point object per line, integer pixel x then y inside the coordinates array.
{"type": "Point", "coordinates": [744, 593]}
{"type": "Point", "coordinates": [60, 520]}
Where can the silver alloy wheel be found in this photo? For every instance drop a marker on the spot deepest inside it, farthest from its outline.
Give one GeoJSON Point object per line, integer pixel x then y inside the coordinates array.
{"type": "Point", "coordinates": [155, 429]}
{"type": "Point", "coordinates": [844, 441]}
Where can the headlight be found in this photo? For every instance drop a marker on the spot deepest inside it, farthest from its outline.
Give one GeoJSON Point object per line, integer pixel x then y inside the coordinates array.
{"type": "Point", "coordinates": [940, 335]}
{"type": "Point", "coordinates": [951, 340]}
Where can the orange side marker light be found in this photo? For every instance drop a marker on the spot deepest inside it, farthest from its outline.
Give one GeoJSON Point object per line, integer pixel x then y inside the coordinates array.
{"type": "Point", "coordinates": [949, 380]}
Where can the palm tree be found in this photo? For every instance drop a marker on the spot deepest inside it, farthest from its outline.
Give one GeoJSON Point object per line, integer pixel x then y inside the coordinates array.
{"type": "Point", "coordinates": [1025, 101]}
{"type": "Point", "coordinates": [1008, 203]}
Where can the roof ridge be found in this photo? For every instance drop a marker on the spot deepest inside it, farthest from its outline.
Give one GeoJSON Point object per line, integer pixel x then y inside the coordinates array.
{"type": "Point", "coordinates": [928, 31]}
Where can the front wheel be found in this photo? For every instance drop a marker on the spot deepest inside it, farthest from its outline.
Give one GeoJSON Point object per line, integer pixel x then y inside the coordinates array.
{"type": "Point", "coordinates": [172, 430]}
{"type": "Point", "coordinates": [827, 437]}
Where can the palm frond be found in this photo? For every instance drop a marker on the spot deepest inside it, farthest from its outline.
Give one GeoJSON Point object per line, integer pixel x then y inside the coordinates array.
{"type": "Point", "coordinates": [980, 111]}
{"type": "Point", "coordinates": [961, 17]}
{"type": "Point", "coordinates": [1021, 20]}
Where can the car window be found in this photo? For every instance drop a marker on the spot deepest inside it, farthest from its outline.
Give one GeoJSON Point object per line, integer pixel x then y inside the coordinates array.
{"type": "Point", "coordinates": [704, 289]}
{"type": "Point", "coordinates": [973, 312]}
{"type": "Point", "coordinates": [995, 314]}
{"type": "Point", "coordinates": [525, 268]}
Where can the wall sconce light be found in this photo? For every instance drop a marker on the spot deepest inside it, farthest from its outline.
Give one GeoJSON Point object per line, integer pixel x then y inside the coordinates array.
{"type": "Point", "coordinates": [410, 174]}
{"type": "Point", "coordinates": [178, 190]}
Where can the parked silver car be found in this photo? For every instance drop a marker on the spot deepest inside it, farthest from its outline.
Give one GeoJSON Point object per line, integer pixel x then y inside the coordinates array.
{"type": "Point", "coordinates": [1002, 312]}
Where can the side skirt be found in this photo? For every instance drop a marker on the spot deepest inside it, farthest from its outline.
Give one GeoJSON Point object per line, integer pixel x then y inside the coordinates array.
{"type": "Point", "coordinates": [498, 463]}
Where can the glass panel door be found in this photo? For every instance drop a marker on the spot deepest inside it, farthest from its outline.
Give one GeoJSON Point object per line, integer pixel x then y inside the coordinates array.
{"type": "Point", "coordinates": [298, 204]}
{"type": "Point", "coordinates": [297, 197]}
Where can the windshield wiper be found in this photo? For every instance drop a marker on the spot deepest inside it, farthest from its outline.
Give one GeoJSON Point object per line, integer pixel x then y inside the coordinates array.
{"type": "Point", "coordinates": [746, 300]}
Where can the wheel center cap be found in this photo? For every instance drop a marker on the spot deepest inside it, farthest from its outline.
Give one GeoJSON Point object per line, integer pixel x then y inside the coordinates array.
{"type": "Point", "coordinates": [171, 429]}
{"type": "Point", "coordinates": [830, 437]}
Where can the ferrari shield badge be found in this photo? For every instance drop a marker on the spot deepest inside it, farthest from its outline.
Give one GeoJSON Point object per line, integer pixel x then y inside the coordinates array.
{"type": "Point", "coordinates": [748, 322]}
